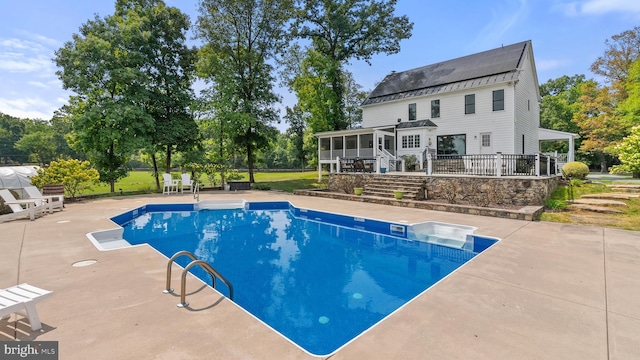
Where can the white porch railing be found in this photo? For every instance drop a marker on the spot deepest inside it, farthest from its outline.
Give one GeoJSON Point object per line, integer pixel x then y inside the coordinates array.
{"type": "Point", "coordinates": [493, 165]}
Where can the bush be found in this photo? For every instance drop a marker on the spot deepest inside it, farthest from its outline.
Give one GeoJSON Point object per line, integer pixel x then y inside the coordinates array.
{"type": "Point", "coordinates": [75, 175]}
{"type": "Point", "coordinates": [555, 204]}
{"type": "Point", "coordinates": [575, 170]}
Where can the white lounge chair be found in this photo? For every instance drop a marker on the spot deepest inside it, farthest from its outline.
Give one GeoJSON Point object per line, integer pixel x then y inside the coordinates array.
{"type": "Point", "coordinates": [32, 207]}
{"type": "Point", "coordinates": [50, 201]}
{"type": "Point", "coordinates": [169, 185]}
{"type": "Point", "coordinates": [186, 182]}
{"type": "Point", "coordinates": [22, 299]}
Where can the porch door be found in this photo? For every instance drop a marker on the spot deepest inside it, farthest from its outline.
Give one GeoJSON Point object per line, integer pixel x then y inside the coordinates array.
{"type": "Point", "coordinates": [486, 143]}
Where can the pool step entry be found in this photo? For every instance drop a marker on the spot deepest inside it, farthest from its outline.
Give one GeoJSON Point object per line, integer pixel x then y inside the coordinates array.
{"type": "Point", "coordinates": [220, 204]}
{"type": "Point", "coordinates": [183, 280]}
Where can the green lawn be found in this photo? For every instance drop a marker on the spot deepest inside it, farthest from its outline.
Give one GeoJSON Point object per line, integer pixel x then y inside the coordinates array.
{"type": "Point", "coordinates": [144, 182]}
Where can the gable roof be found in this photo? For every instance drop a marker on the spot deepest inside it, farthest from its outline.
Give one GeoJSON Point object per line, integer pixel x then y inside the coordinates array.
{"type": "Point", "coordinates": [505, 61]}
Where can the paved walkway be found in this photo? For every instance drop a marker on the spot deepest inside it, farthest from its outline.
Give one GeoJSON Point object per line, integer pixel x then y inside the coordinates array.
{"type": "Point", "coordinates": [546, 291]}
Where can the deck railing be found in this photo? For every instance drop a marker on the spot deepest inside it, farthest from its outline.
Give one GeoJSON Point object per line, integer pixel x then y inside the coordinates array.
{"type": "Point", "coordinates": [492, 164]}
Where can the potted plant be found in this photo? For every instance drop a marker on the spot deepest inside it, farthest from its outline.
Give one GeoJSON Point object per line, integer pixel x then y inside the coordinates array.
{"type": "Point", "coordinates": [358, 190]}
{"type": "Point", "coordinates": [398, 194]}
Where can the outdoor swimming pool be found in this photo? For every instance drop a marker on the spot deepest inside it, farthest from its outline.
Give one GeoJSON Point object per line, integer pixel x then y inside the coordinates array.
{"type": "Point", "coordinates": [319, 279]}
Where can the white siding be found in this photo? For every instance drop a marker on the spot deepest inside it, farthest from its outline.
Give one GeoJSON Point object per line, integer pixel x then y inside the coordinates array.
{"type": "Point", "coordinates": [453, 120]}
{"type": "Point", "coordinates": [527, 109]}
{"type": "Point", "coordinates": [521, 115]}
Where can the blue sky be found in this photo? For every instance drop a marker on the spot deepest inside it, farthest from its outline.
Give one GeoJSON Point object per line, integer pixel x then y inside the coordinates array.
{"type": "Point", "coordinates": [567, 37]}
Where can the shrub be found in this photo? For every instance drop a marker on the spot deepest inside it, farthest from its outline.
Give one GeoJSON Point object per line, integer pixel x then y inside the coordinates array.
{"type": "Point", "coordinates": [74, 174]}
{"type": "Point", "coordinates": [575, 170]}
{"type": "Point", "coordinates": [555, 204]}
{"type": "Point", "coordinates": [257, 186]}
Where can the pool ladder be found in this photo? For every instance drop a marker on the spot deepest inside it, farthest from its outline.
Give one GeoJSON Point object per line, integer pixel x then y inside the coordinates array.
{"type": "Point", "coordinates": [196, 191]}
{"type": "Point", "coordinates": [183, 283]}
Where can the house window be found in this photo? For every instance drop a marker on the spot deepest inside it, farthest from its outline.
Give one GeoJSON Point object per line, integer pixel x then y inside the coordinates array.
{"type": "Point", "coordinates": [435, 108]}
{"type": "Point", "coordinates": [412, 111]}
{"type": "Point", "coordinates": [410, 141]}
{"type": "Point", "coordinates": [470, 104]}
{"type": "Point", "coordinates": [486, 140]}
{"type": "Point", "coordinates": [498, 100]}
{"type": "Point", "coordinates": [452, 144]}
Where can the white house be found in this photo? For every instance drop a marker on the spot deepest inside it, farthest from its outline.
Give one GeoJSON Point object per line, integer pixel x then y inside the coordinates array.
{"type": "Point", "coordinates": [485, 103]}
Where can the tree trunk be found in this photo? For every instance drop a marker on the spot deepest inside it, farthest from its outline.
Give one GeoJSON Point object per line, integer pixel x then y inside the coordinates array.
{"type": "Point", "coordinates": [250, 163]}
{"type": "Point", "coordinates": [112, 183]}
{"type": "Point", "coordinates": [155, 169]}
{"type": "Point", "coordinates": [168, 159]}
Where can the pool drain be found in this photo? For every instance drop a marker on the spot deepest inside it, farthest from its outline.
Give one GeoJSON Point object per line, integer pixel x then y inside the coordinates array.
{"type": "Point", "coordinates": [323, 320]}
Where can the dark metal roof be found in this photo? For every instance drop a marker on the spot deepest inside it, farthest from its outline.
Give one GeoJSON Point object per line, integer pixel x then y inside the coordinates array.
{"type": "Point", "coordinates": [502, 60]}
{"type": "Point", "coordinates": [412, 124]}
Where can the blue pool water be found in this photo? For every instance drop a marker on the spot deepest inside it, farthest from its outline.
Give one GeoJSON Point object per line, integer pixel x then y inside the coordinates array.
{"type": "Point", "coordinates": [319, 279]}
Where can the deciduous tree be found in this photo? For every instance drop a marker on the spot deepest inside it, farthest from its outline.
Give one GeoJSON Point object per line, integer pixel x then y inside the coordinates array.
{"type": "Point", "coordinates": [242, 38]}
{"type": "Point", "coordinates": [344, 30]}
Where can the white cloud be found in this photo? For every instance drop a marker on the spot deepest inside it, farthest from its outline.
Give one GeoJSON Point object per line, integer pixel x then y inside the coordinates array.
{"type": "Point", "coordinates": [21, 62]}
{"type": "Point", "coordinates": [599, 7]}
{"type": "Point", "coordinates": [510, 14]}
{"type": "Point", "coordinates": [38, 84]}
{"type": "Point", "coordinates": [32, 108]}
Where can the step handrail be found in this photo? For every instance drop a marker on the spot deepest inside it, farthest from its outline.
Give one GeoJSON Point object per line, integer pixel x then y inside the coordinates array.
{"type": "Point", "coordinates": [168, 289]}
{"type": "Point", "coordinates": [196, 191]}
{"type": "Point", "coordinates": [208, 268]}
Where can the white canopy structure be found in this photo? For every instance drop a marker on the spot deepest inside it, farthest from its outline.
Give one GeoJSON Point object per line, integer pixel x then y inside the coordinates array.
{"type": "Point", "coordinates": [16, 177]}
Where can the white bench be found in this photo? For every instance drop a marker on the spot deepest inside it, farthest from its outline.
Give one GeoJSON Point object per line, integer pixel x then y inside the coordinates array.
{"type": "Point", "coordinates": [22, 299]}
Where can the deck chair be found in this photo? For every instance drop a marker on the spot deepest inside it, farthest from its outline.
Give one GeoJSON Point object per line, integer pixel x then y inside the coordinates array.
{"type": "Point", "coordinates": [32, 207]}
{"type": "Point", "coordinates": [186, 182]}
{"type": "Point", "coordinates": [22, 299]}
{"type": "Point", "coordinates": [169, 185]}
{"type": "Point", "coordinates": [51, 202]}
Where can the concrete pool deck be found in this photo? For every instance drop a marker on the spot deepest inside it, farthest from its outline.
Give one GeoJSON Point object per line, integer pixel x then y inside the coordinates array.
{"type": "Point", "coordinates": [546, 291]}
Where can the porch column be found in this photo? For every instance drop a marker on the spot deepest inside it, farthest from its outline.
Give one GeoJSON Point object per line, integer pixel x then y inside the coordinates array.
{"type": "Point", "coordinates": [319, 161]}
{"type": "Point", "coordinates": [570, 154]}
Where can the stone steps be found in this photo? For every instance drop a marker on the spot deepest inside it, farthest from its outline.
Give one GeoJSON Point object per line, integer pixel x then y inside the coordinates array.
{"type": "Point", "coordinates": [612, 196]}
{"type": "Point", "coordinates": [625, 188]}
{"type": "Point", "coordinates": [594, 208]}
{"type": "Point", "coordinates": [384, 186]}
{"type": "Point", "coordinates": [600, 202]}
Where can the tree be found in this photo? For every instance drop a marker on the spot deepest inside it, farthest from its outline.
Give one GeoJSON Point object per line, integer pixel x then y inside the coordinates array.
{"type": "Point", "coordinates": [38, 141]}
{"type": "Point", "coordinates": [601, 117]}
{"type": "Point", "coordinates": [600, 123]}
{"type": "Point", "coordinates": [620, 53]}
{"type": "Point", "coordinates": [560, 101]}
{"type": "Point", "coordinates": [628, 152]}
{"type": "Point", "coordinates": [241, 38]}
{"type": "Point", "coordinates": [109, 122]}
{"type": "Point", "coordinates": [342, 30]}
{"type": "Point", "coordinates": [295, 134]}
{"type": "Point", "coordinates": [168, 64]}
{"type": "Point", "coordinates": [75, 175]}
{"type": "Point", "coordinates": [11, 130]}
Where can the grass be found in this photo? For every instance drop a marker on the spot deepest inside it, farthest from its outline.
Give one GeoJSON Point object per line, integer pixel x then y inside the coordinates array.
{"type": "Point", "coordinates": [629, 219]}
{"type": "Point", "coordinates": [143, 182]}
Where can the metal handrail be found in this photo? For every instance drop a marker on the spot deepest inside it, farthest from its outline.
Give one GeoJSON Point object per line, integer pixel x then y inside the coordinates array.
{"type": "Point", "coordinates": [168, 289]}
{"type": "Point", "coordinates": [196, 191]}
{"type": "Point", "coordinates": [208, 268]}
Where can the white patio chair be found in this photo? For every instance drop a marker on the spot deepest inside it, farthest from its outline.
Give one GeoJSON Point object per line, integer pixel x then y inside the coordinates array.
{"type": "Point", "coordinates": [32, 208]}
{"type": "Point", "coordinates": [51, 202]}
{"type": "Point", "coordinates": [186, 182]}
{"type": "Point", "coordinates": [22, 299]}
{"type": "Point", "coordinates": [169, 185]}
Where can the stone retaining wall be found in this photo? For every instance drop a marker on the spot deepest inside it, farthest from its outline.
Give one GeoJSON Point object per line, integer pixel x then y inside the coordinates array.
{"type": "Point", "coordinates": [477, 191]}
